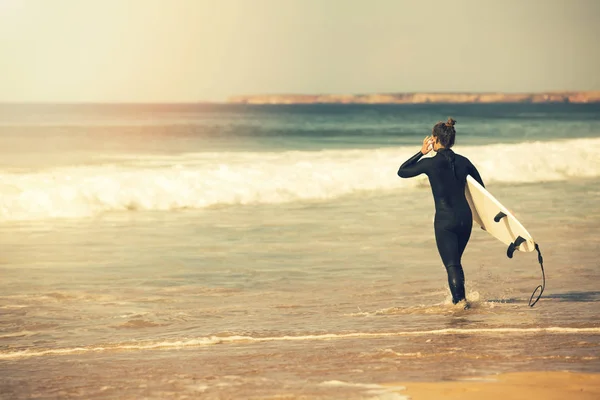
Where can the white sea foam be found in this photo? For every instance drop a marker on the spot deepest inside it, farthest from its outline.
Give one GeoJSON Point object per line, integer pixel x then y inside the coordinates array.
{"type": "Point", "coordinates": [213, 340]}
{"type": "Point", "coordinates": [206, 179]}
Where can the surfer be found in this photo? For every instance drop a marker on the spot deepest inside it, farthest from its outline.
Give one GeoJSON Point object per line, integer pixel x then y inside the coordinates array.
{"type": "Point", "coordinates": [447, 173]}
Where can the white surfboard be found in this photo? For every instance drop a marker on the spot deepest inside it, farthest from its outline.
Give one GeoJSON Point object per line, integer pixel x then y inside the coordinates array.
{"type": "Point", "coordinates": [495, 218]}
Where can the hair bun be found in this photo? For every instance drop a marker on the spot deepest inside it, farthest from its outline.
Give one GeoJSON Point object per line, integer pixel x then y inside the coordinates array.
{"type": "Point", "coordinates": [450, 123]}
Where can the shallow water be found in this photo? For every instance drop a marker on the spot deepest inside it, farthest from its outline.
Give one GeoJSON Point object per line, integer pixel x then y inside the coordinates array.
{"type": "Point", "coordinates": [273, 300]}
{"type": "Point", "coordinates": [321, 294]}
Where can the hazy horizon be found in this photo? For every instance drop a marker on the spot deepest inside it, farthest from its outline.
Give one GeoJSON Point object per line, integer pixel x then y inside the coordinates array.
{"type": "Point", "coordinates": [187, 51]}
{"type": "Point", "coordinates": [227, 100]}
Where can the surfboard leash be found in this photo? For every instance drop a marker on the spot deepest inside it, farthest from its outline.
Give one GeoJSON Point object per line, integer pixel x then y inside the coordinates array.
{"type": "Point", "coordinates": [511, 249]}
{"type": "Point", "coordinates": [543, 285]}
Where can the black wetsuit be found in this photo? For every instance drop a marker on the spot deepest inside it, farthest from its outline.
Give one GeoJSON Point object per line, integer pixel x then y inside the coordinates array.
{"type": "Point", "coordinates": [447, 172]}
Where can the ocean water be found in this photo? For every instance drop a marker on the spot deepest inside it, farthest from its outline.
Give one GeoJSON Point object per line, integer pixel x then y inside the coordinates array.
{"type": "Point", "coordinates": [220, 251]}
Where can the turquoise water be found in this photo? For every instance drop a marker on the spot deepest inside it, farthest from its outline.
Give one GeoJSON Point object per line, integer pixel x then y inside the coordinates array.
{"type": "Point", "coordinates": [244, 252]}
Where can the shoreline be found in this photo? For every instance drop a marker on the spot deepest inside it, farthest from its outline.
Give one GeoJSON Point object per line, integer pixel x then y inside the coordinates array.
{"type": "Point", "coordinates": [574, 97]}
{"type": "Point", "coordinates": [547, 385]}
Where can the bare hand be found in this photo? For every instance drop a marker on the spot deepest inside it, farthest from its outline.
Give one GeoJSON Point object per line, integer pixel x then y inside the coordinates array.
{"type": "Point", "coordinates": [427, 145]}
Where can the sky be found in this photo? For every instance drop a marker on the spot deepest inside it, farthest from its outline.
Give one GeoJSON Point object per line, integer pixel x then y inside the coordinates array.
{"type": "Point", "coordinates": [208, 50]}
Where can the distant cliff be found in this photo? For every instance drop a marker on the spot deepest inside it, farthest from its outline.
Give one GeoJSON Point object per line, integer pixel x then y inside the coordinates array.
{"type": "Point", "coordinates": [419, 98]}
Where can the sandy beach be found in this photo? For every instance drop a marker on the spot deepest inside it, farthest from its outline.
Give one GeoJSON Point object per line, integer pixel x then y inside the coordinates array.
{"type": "Point", "coordinates": [235, 200]}
{"type": "Point", "coordinates": [516, 386]}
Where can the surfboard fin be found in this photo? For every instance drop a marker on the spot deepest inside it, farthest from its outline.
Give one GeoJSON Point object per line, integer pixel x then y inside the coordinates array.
{"type": "Point", "coordinates": [514, 246]}
{"type": "Point", "coordinates": [499, 216]}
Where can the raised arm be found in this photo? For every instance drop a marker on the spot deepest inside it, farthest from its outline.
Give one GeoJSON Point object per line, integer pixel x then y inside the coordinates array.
{"type": "Point", "coordinates": [412, 166]}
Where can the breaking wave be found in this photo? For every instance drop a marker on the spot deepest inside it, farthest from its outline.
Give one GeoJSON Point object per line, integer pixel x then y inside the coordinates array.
{"type": "Point", "coordinates": [199, 180]}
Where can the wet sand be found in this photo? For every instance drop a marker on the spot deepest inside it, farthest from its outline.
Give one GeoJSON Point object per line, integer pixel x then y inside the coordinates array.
{"type": "Point", "coordinates": [557, 385]}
